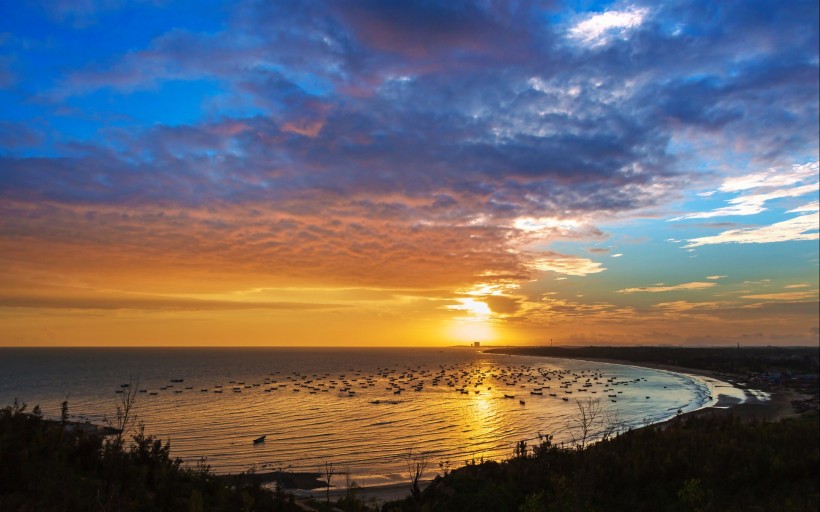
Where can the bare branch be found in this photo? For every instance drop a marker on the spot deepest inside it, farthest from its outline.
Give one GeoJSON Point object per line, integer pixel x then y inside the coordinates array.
{"type": "Point", "coordinates": [126, 416]}
{"type": "Point", "coordinates": [587, 423]}
{"type": "Point", "coordinates": [416, 466]}
{"type": "Point", "coordinates": [329, 472]}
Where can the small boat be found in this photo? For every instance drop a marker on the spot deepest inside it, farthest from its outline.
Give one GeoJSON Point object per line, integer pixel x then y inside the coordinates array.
{"type": "Point", "coordinates": [522, 402]}
{"type": "Point", "coordinates": [509, 396]}
{"type": "Point", "coordinates": [260, 439]}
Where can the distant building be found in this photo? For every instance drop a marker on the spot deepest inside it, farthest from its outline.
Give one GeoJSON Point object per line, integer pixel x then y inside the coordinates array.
{"type": "Point", "coordinates": [476, 344]}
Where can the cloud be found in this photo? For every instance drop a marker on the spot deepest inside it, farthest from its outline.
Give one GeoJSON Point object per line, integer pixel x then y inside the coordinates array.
{"type": "Point", "coordinates": [804, 227]}
{"type": "Point", "coordinates": [564, 264]}
{"type": "Point", "coordinates": [773, 178]}
{"type": "Point", "coordinates": [151, 303]}
{"type": "Point", "coordinates": [768, 186]}
{"type": "Point", "coordinates": [776, 186]}
{"type": "Point", "coordinates": [431, 145]}
{"type": "Point", "coordinates": [813, 206]}
{"type": "Point", "coordinates": [715, 278]}
{"type": "Point", "coordinates": [476, 308]}
{"type": "Point", "coordinates": [661, 288]}
{"type": "Point", "coordinates": [500, 304]}
{"type": "Point", "coordinates": [598, 29]}
{"type": "Point", "coordinates": [680, 306]}
{"type": "Point", "coordinates": [750, 204]}
{"type": "Point", "coordinates": [787, 296]}
{"type": "Point", "coordinates": [419, 31]}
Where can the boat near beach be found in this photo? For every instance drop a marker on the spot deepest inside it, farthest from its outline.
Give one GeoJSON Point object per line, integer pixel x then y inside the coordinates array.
{"type": "Point", "coordinates": [260, 439]}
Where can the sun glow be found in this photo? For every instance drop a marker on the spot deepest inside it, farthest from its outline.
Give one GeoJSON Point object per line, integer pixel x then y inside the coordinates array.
{"type": "Point", "coordinates": [470, 329]}
{"type": "Point", "coordinates": [476, 308]}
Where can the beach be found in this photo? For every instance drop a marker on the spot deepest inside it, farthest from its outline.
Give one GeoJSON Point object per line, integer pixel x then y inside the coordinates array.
{"type": "Point", "coordinates": [776, 407]}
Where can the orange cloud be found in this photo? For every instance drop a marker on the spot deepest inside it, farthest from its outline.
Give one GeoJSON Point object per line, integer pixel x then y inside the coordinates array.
{"type": "Point", "coordinates": [663, 288]}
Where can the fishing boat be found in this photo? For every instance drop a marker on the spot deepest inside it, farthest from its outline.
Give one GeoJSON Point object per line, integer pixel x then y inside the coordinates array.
{"type": "Point", "coordinates": [260, 439]}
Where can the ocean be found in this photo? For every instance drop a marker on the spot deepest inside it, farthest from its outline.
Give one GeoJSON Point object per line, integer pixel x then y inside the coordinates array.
{"type": "Point", "coordinates": [364, 409]}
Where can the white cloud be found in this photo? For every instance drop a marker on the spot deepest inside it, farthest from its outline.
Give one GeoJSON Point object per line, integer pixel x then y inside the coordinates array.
{"type": "Point", "coordinates": [715, 278]}
{"type": "Point", "coordinates": [751, 204]}
{"type": "Point", "coordinates": [544, 224]}
{"type": "Point", "coordinates": [617, 255]}
{"type": "Point", "coordinates": [804, 227]}
{"type": "Point", "coordinates": [766, 186]}
{"type": "Point", "coordinates": [697, 285]}
{"type": "Point", "coordinates": [771, 184]}
{"type": "Point", "coordinates": [813, 206]}
{"type": "Point", "coordinates": [771, 178]}
{"type": "Point", "coordinates": [600, 28]}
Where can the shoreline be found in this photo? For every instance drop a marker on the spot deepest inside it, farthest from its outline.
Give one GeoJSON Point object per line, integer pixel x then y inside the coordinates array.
{"type": "Point", "coordinates": [776, 408]}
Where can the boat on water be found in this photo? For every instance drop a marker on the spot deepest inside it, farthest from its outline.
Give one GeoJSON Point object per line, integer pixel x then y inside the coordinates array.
{"type": "Point", "coordinates": [260, 439]}
{"type": "Point", "coordinates": [509, 396]}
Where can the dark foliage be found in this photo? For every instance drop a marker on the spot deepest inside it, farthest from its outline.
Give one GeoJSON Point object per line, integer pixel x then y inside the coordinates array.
{"type": "Point", "coordinates": [49, 466]}
{"type": "Point", "coordinates": [715, 463]}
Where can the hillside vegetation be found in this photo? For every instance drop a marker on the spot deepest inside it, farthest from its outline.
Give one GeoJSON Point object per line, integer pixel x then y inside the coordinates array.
{"type": "Point", "coordinates": [713, 463]}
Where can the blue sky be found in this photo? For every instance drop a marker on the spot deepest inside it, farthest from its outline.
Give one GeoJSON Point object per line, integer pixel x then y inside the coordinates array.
{"type": "Point", "coordinates": [592, 172]}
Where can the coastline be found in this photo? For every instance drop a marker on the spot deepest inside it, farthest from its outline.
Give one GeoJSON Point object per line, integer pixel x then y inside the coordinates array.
{"type": "Point", "coordinates": [777, 407]}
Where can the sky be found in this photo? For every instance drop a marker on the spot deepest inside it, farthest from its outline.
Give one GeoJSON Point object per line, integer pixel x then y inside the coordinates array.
{"type": "Point", "coordinates": [408, 173]}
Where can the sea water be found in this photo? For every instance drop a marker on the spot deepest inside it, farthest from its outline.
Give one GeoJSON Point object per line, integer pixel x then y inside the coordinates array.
{"type": "Point", "coordinates": [365, 410]}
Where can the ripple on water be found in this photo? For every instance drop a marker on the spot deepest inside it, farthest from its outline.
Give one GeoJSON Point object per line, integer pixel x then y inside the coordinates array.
{"type": "Point", "coordinates": [369, 433]}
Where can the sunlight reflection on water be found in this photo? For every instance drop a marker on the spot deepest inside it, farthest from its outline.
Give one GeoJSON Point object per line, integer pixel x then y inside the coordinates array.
{"type": "Point", "coordinates": [364, 409]}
